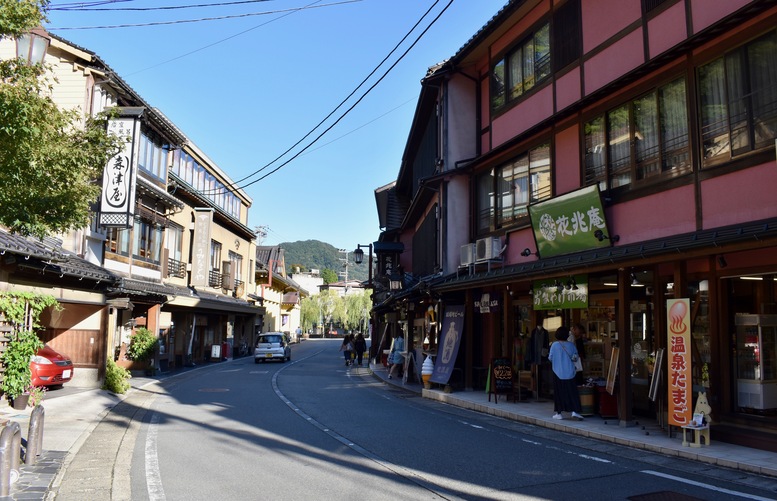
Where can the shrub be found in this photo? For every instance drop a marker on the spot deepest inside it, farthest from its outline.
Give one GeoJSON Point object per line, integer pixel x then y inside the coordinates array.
{"type": "Point", "coordinates": [142, 345]}
{"type": "Point", "coordinates": [116, 378]}
{"type": "Point", "coordinates": [22, 345]}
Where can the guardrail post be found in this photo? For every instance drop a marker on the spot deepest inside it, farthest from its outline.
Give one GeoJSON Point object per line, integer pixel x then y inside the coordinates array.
{"type": "Point", "coordinates": [10, 448]}
{"type": "Point", "coordinates": [35, 435]}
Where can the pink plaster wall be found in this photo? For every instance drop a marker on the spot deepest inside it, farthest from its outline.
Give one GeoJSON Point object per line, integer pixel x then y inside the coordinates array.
{"type": "Point", "coordinates": [616, 60]}
{"type": "Point", "coordinates": [667, 29]}
{"type": "Point", "coordinates": [566, 165]}
{"type": "Point", "coordinates": [661, 215]}
{"type": "Point", "coordinates": [603, 19]}
{"type": "Point", "coordinates": [706, 12]}
{"type": "Point", "coordinates": [568, 89]}
{"type": "Point", "coordinates": [523, 116]}
{"type": "Point", "coordinates": [518, 241]}
{"type": "Point", "coordinates": [742, 196]}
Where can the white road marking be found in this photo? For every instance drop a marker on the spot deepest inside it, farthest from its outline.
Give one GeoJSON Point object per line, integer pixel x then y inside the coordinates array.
{"type": "Point", "coordinates": [706, 486]}
{"type": "Point", "coordinates": [153, 479]}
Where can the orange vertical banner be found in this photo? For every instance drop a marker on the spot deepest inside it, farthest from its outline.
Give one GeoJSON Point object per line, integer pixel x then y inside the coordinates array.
{"type": "Point", "coordinates": [679, 361]}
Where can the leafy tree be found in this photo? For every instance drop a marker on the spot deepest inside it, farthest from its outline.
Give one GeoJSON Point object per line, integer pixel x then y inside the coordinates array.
{"type": "Point", "coordinates": [55, 155]}
{"type": "Point", "coordinates": [329, 276]}
{"type": "Point", "coordinates": [357, 307]}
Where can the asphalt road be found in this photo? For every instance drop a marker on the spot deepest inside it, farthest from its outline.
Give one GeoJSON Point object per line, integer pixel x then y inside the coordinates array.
{"type": "Point", "coordinates": [315, 429]}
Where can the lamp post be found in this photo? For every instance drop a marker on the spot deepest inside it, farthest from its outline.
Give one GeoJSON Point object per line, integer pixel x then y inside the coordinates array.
{"type": "Point", "coordinates": [358, 257]}
{"type": "Point", "coordinates": [32, 46]}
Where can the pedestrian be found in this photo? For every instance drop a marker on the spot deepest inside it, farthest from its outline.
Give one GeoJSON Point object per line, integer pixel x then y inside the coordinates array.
{"type": "Point", "coordinates": [360, 346]}
{"type": "Point", "coordinates": [562, 357]}
{"type": "Point", "coordinates": [347, 348]}
{"type": "Point", "coordinates": [395, 359]}
{"type": "Point", "coordinates": [578, 337]}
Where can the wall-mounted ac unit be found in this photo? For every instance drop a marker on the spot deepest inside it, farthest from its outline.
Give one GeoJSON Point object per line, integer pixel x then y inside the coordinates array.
{"type": "Point", "coordinates": [488, 248]}
{"type": "Point", "coordinates": [467, 254]}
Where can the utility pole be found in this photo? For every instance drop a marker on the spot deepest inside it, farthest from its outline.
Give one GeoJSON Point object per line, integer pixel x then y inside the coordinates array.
{"type": "Point", "coordinates": [261, 233]}
{"type": "Point", "coordinates": [345, 265]}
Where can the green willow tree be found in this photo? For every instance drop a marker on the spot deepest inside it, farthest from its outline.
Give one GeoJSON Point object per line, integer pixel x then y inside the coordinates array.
{"type": "Point", "coordinates": [50, 159]}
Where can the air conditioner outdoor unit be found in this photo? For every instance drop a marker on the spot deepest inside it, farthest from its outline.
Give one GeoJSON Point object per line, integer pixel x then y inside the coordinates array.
{"type": "Point", "coordinates": [488, 248]}
{"type": "Point", "coordinates": [467, 254]}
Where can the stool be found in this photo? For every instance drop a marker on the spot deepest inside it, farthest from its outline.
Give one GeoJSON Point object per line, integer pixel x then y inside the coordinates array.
{"type": "Point", "coordinates": [698, 432]}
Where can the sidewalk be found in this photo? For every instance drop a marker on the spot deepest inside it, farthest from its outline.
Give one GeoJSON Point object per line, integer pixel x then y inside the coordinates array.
{"type": "Point", "coordinates": [646, 434]}
{"type": "Point", "coordinates": [71, 418]}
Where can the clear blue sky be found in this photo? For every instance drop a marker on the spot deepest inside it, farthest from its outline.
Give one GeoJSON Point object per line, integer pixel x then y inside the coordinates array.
{"type": "Point", "coordinates": [246, 89]}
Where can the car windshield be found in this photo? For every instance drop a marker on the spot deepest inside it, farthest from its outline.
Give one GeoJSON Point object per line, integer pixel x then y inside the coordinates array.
{"type": "Point", "coordinates": [269, 339]}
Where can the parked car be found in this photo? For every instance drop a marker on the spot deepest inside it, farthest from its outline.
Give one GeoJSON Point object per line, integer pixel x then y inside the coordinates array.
{"type": "Point", "coordinates": [50, 368]}
{"type": "Point", "coordinates": [272, 346]}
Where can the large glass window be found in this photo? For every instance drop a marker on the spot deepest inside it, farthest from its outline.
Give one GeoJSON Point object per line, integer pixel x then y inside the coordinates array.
{"type": "Point", "coordinates": [148, 241]}
{"type": "Point", "coordinates": [199, 179]}
{"type": "Point", "coordinates": [522, 68]}
{"type": "Point", "coordinates": [504, 193]}
{"type": "Point", "coordinates": [152, 157]}
{"type": "Point", "coordinates": [738, 100]}
{"type": "Point", "coordinates": [639, 140]}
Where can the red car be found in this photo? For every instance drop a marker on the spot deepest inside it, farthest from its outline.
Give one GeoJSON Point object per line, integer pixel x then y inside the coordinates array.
{"type": "Point", "coordinates": [50, 368]}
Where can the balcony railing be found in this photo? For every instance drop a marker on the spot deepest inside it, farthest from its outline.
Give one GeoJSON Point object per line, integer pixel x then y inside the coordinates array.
{"type": "Point", "coordinates": [176, 268]}
{"type": "Point", "coordinates": [214, 279]}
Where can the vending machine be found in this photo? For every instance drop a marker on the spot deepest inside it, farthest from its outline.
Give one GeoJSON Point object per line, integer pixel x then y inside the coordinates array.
{"type": "Point", "coordinates": [756, 361]}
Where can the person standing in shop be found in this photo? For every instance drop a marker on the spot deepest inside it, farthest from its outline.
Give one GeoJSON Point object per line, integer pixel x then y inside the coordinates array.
{"type": "Point", "coordinates": [578, 337]}
{"type": "Point", "coordinates": [562, 356]}
{"type": "Point", "coordinates": [395, 358]}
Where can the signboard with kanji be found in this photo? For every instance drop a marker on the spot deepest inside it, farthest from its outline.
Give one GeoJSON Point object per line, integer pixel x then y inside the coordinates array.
{"type": "Point", "coordinates": [679, 361]}
{"type": "Point", "coordinates": [117, 202]}
{"type": "Point", "coordinates": [567, 223]}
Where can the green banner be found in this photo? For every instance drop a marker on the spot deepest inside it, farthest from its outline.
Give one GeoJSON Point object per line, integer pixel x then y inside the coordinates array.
{"type": "Point", "coordinates": [567, 223]}
{"type": "Point", "coordinates": [561, 294]}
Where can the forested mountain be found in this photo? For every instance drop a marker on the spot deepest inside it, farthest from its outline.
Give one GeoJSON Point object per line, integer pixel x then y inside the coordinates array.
{"type": "Point", "coordinates": [314, 254]}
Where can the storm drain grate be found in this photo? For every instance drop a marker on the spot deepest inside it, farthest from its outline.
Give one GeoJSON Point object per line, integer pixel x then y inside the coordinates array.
{"type": "Point", "coordinates": [664, 496]}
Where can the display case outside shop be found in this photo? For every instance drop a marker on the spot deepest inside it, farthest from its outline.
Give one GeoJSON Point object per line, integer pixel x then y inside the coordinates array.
{"type": "Point", "coordinates": [756, 361]}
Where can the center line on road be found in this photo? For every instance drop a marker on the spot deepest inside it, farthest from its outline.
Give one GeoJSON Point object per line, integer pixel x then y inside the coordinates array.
{"type": "Point", "coordinates": [706, 486]}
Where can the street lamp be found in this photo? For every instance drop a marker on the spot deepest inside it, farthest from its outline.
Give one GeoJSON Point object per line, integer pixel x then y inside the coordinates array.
{"type": "Point", "coordinates": [32, 46]}
{"type": "Point", "coordinates": [358, 257]}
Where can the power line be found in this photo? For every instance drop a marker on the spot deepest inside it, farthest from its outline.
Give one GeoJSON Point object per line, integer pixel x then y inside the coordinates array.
{"type": "Point", "coordinates": [199, 20]}
{"type": "Point", "coordinates": [234, 186]}
{"type": "Point", "coordinates": [81, 7]}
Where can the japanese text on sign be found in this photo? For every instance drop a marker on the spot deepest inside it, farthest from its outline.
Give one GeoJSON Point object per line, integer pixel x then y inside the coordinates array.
{"type": "Point", "coordinates": [680, 383]}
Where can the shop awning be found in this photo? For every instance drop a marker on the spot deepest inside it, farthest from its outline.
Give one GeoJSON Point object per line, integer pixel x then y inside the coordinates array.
{"type": "Point", "coordinates": [759, 234]}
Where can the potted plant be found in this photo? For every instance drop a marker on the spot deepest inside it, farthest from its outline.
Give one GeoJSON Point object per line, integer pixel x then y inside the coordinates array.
{"type": "Point", "coordinates": [36, 394]}
{"type": "Point", "coordinates": [21, 311]}
{"type": "Point", "coordinates": [142, 347]}
{"type": "Point", "coordinates": [22, 345]}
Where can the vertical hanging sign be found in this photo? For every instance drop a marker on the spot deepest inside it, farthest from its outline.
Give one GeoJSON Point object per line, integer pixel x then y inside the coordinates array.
{"type": "Point", "coordinates": [203, 220]}
{"type": "Point", "coordinates": [452, 328]}
{"type": "Point", "coordinates": [117, 202]}
{"type": "Point", "coordinates": [679, 361]}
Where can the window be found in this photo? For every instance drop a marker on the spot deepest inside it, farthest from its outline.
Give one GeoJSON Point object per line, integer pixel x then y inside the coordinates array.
{"type": "Point", "coordinates": [521, 69]}
{"type": "Point", "coordinates": [174, 242]}
{"type": "Point", "coordinates": [640, 140]}
{"type": "Point", "coordinates": [738, 101]}
{"type": "Point", "coordinates": [566, 34]}
{"type": "Point", "coordinates": [215, 255]}
{"type": "Point", "coordinates": [202, 181]}
{"type": "Point", "coordinates": [148, 241]}
{"type": "Point", "coordinates": [504, 193]}
{"type": "Point", "coordinates": [152, 157]}
{"type": "Point", "coordinates": [237, 265]}
{"type": "Point", "coordinates": [117, 241]}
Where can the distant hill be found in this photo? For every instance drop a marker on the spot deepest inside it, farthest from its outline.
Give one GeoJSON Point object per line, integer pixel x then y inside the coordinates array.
{"type": "Point", "coordinates": [314, 254]}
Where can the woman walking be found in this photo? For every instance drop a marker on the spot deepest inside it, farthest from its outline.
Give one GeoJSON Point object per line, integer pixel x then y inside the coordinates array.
{"type": "Point", "coordinates": [562, 357]}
